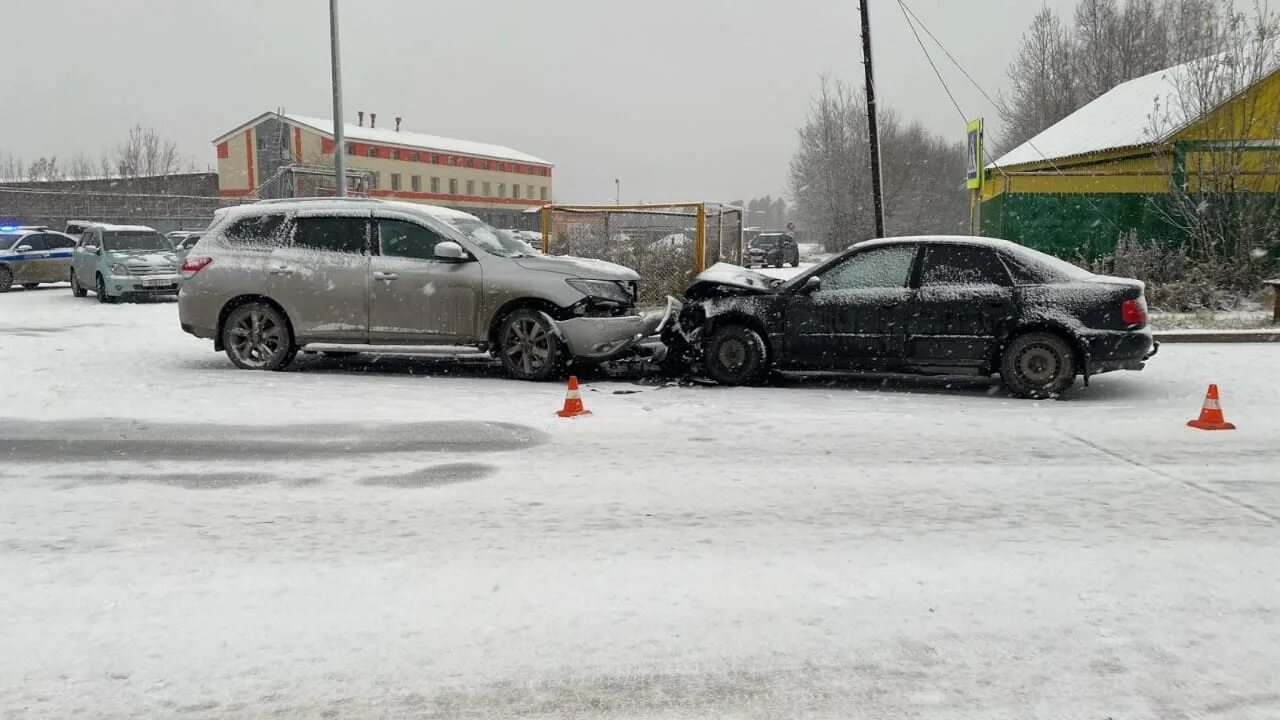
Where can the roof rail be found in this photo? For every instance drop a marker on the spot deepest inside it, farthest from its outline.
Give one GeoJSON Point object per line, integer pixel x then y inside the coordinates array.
{"type": "Point", "coordinates": [316, 199]}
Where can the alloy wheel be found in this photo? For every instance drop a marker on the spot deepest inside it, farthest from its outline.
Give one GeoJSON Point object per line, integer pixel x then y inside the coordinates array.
{"type": "Point", "coordinates": [256, 338]}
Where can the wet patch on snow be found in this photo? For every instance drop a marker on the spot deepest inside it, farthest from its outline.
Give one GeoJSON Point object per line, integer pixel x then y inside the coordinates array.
{"type": "Point", "coordinates": [434, 476]}
{"type": "Point", "coordinates": [184, 480]}
{"type": "Point", "coordinates": [101, 439]}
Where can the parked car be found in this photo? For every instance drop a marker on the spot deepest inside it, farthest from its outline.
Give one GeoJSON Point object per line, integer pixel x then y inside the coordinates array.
{"type": "Point", "coordinates": [943, 305]}
{"type": "Point", "coordinates": [276, 275]}
{"type": "Point", "coordinates": [123, 262]}
{"type": "Point", "coordinates": [30, 256]}
{"type": "Point", "coordinates": [183, 242]}
{"type": "Point", "coordinates": [776, 249]}
{"type": "Point", "coordinates": [76, 228]}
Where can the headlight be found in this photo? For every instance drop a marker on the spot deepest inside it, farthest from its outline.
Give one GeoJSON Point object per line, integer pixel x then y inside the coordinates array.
{"type": "Point", "coordinates": [119, 269]}
{"type": "Point", "coordinates": [603, 289]}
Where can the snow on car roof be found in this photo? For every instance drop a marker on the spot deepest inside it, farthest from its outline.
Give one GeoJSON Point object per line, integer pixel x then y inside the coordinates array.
{"type": "Point", "coordinates": [1138, 112]}
{"type": "Point", "coordinates": [124, 228]}
{"type": "Point", "coordinates": [391, 136]}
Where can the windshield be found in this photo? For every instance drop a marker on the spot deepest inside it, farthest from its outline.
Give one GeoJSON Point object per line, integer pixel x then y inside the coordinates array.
{"type": "Point", "coordinates": [766, 241]}
{"type": "Point", "coordinates": [125, 240]}
{"type": "Point", "coordinates": [8, 240]}
{"type": "Point", "coordinates": [484, 236]}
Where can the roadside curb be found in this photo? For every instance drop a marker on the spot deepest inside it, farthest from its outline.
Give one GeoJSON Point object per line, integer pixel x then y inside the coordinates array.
{"type": "Point", "coordinates": [1217, 336]}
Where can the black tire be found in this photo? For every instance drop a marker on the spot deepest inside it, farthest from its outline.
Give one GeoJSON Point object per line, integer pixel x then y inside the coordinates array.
{"type": "Point", "coordinates": [795, 262]}
{"type": "Point", "coordinates": [257, 336]}
{"type": "Point", "coordinates": [735, 355]}
{"type": "Point", "coordinates": [1038, 365]}
{"type": "Point", "coordinates": [528, 346]}
{"type": "Point", "coordinates": [76, 288]}
{"type": "Point", "coordinates": [30, 286]}
{"type": "Point", "coordinates": [6, 279]}
{"type": "Point", "coordinates": [101, 292]}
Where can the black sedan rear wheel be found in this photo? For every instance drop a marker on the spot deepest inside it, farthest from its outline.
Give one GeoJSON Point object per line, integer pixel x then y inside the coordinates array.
{"type": "Point", "coordinates": [1038, 365]}
{"type": "Point", "coordinates": [735, 355]}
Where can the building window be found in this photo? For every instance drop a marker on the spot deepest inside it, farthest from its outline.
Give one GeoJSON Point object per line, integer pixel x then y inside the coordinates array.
{"type": "Point", "coordinates": [470, 163]}
{"type": "Point", "coordinates": [351, 149]}
{"type": "Point", "coordinates": [453, 186]}
{"type": "Point", "coordinates": [542, 193]}
{"type": "Point", "coordinates": [529, 193]}
{"type": "Point", "coordinates": [372, 152]}
{"type": "Point", "coordinates": [415, 182]}
{"type": "Point", "coordinates": [502, 189]}
{"type": "Point", "coordinates": [471, 187]}
{"type": "Point", "coordinates": [413, 157]}
{"type": "Point", "coordinates": [435, 159]}
{"type": "Point", "coordinates": [435, 185]}
{"type": "Point", "coordinates": [376, 179]}
{"type": "Point", "coordinates": [486, 188]}
{"type": "Point", "coordinates": [395, 180]}
{"type": "Point", "coordinates": [395, 154]}
{"type": "Point", "coordinates": [515, 190]}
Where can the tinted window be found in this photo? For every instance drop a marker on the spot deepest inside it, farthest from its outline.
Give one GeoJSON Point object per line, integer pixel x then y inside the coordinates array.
{"type": "Point", "coordinates": [36, 242]}
{"type": "Point", "coordinates": [408, 240]}
{"type": "Point", "coordinates": [257, 230]}
{"type": "Point", "coordinates": [962, 265]}
{"type": "Point", "coordinates": [888, 267]}
{"type": "Point", "coordinates": [58, 242]}
{"type": "Point", "coordinates": [765, 241]}
{"type": "Point", "coordinates": [8, 241]}
{"type": "Point", "coordinates": [335, 234]}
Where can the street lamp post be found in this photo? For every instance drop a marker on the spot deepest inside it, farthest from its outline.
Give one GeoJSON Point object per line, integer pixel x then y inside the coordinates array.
{"type": "Point", "coordinates": [339, 141]}
{"type": "Point", "coordinates": [617, 187]}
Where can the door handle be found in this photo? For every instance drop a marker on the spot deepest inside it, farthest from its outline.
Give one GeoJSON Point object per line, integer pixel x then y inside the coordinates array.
{"type": "Point", "coordinates": [385, 276]}
{"type": "Point", "coordinates": [281, 270]}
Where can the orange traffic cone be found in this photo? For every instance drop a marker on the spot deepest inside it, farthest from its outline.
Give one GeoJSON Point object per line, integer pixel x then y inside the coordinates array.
{"type": "Point", "coordinates": [1211, 414]}
{"type": "Point", "coordinates": [573, 401]}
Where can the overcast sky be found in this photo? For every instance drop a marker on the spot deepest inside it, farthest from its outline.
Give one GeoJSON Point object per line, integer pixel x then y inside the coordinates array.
{"type": "Point", "coordinates": [681, 99]}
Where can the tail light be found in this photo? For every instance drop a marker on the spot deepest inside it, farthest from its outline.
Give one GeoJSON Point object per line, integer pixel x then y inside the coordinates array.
{"type": "Point", "coordinates": [193, 265]}
{"type": "Point", "coordinates": [1134, 312]}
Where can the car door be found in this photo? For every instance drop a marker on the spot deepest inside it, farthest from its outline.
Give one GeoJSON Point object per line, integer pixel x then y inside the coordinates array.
{"type": "Point", "coordinates": [84, 259]}
{"type": "Point", "coordinates": [415, 297]}
{"type": "Point", "coordinates": [962, 307]}
{"type": "Point", "coordinates": [30, 266]}
{"type": "Point", "coordinates": [59, 248]}
{"type": "Point", "coordinates": [854, 314]}
{"type": "Point", "coordinates": [321, 277]}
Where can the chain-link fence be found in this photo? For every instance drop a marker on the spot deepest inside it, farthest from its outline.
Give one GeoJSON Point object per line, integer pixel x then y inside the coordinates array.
{"type": "Point", "coordinates": [666, 244]}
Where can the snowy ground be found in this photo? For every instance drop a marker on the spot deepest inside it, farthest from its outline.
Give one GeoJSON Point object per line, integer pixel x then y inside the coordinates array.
{"type": "Point", "coordinates": [421, 537]}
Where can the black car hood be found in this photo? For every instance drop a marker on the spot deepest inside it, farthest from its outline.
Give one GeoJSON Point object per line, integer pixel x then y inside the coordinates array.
{"type": "Point", "coordinates": [725, 280]}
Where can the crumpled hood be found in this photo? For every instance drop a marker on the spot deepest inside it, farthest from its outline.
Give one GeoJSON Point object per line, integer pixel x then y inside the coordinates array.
{"type": "Point", "coordinates": [154, 258]}
{"type": "Point", "coordinates": [577, 267]}
{"type": "Point", "coordinates": [723, 279]}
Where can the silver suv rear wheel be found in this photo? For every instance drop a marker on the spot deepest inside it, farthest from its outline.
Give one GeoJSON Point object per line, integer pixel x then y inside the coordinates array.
{"type": "Point", "coordinates": [257, 337]}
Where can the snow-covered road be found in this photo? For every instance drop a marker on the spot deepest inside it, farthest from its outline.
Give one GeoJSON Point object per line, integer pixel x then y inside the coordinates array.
{"type": "Point", "coordinates": [421, 537]}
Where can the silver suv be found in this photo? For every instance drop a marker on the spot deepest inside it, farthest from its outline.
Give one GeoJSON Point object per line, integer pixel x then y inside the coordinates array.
{"type": "Point", "coordinates": [268, 278]}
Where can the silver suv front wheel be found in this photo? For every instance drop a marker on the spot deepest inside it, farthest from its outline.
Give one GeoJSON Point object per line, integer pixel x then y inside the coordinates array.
{"type": "Point", "coordinates": [257, 336]}
{"type": "Point", "coordinates": [528, 346]}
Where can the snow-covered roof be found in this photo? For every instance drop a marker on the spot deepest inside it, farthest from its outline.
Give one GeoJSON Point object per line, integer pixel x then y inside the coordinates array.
{"type": "Point", "coordinates": [404, 138]}
{"type": "Point", "coordinates": [1141, 111]}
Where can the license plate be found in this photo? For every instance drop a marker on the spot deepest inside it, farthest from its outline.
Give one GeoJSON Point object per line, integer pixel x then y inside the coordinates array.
{"type": "Point", "coordinates": [158, 282]}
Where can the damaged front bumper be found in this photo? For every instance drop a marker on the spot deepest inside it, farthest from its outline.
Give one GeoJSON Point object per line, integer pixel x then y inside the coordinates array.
{"type": "Point", "coordinates": [607, 338]}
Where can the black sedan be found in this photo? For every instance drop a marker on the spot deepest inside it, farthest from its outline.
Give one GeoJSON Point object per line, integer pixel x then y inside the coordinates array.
{"type": "Point", "coordinates": [776, 249]}
{"type": "Point", "coordinates": [939, 305]}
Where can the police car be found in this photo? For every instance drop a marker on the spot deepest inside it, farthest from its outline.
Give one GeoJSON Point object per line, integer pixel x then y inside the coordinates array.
{"type": "Point", "coordinates": [33, 255]}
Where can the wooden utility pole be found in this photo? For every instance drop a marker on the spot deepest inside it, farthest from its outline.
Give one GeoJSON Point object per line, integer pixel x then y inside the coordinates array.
{"type": "Point", "coordinates": [873, 127]}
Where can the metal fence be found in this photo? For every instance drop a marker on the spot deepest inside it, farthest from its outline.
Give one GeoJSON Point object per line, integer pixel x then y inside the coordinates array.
{"type": "Point", "coordinates": [666, 244]}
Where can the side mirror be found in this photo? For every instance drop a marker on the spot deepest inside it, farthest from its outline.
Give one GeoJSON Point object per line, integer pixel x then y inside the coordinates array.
{"type": "Point", "coordinates": [814, 283]}
{"type": "Point", "coordinates": [450, 252]}
{"type": "Point", "coordinates": [23, 248]}
{"type": "Point", "coordinates": [92, 249]}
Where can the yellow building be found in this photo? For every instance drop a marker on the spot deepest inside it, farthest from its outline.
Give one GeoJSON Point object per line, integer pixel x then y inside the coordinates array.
{"type": "Point", "coordinates": [1153, 156]}
{"type": "Point", "coordinates": [264, 156]}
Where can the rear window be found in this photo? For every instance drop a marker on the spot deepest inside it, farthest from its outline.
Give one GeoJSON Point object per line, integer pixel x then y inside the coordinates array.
{"type": "Point", "coordinates": [1032, 267]}
{"type": "Point", "coordinates": [261, 230]}
{"type": "Point", "coordinates": [334, 234]}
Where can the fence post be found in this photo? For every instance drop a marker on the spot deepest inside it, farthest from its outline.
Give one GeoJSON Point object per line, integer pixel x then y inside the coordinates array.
{"type": "Point", "coordinates": [700, 243]}
{"type": "Point", "coordinates": [546, 229]}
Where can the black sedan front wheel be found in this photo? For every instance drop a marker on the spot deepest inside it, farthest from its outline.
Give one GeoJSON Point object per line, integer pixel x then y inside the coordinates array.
{"type": "Point", "coordinates": [735, 355]}
{"type": "Point", "coordinates": [1038, 365]}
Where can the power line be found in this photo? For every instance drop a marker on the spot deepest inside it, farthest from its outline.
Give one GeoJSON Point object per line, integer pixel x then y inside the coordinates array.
{"type": "Point", "coordinates": [905, 16]}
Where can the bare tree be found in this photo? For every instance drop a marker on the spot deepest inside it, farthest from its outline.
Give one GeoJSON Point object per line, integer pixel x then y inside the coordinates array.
{"type": "Point", "coordinates": [44, 169]}
{"type": "Point", "coordinates": [81, 167]}
{"type": "Point", "coordinates": [1043, 87]}
{"type": "Point", "coordinates": [12, 168]}
{"type": "Point", "coordinates": [145, 152]}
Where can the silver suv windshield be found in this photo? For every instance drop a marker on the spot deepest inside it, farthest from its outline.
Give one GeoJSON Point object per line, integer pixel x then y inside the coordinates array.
{"type": "Point", "coordinates": [484, 236]}
{"type": "Point", "coordinates": [126, 240]}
